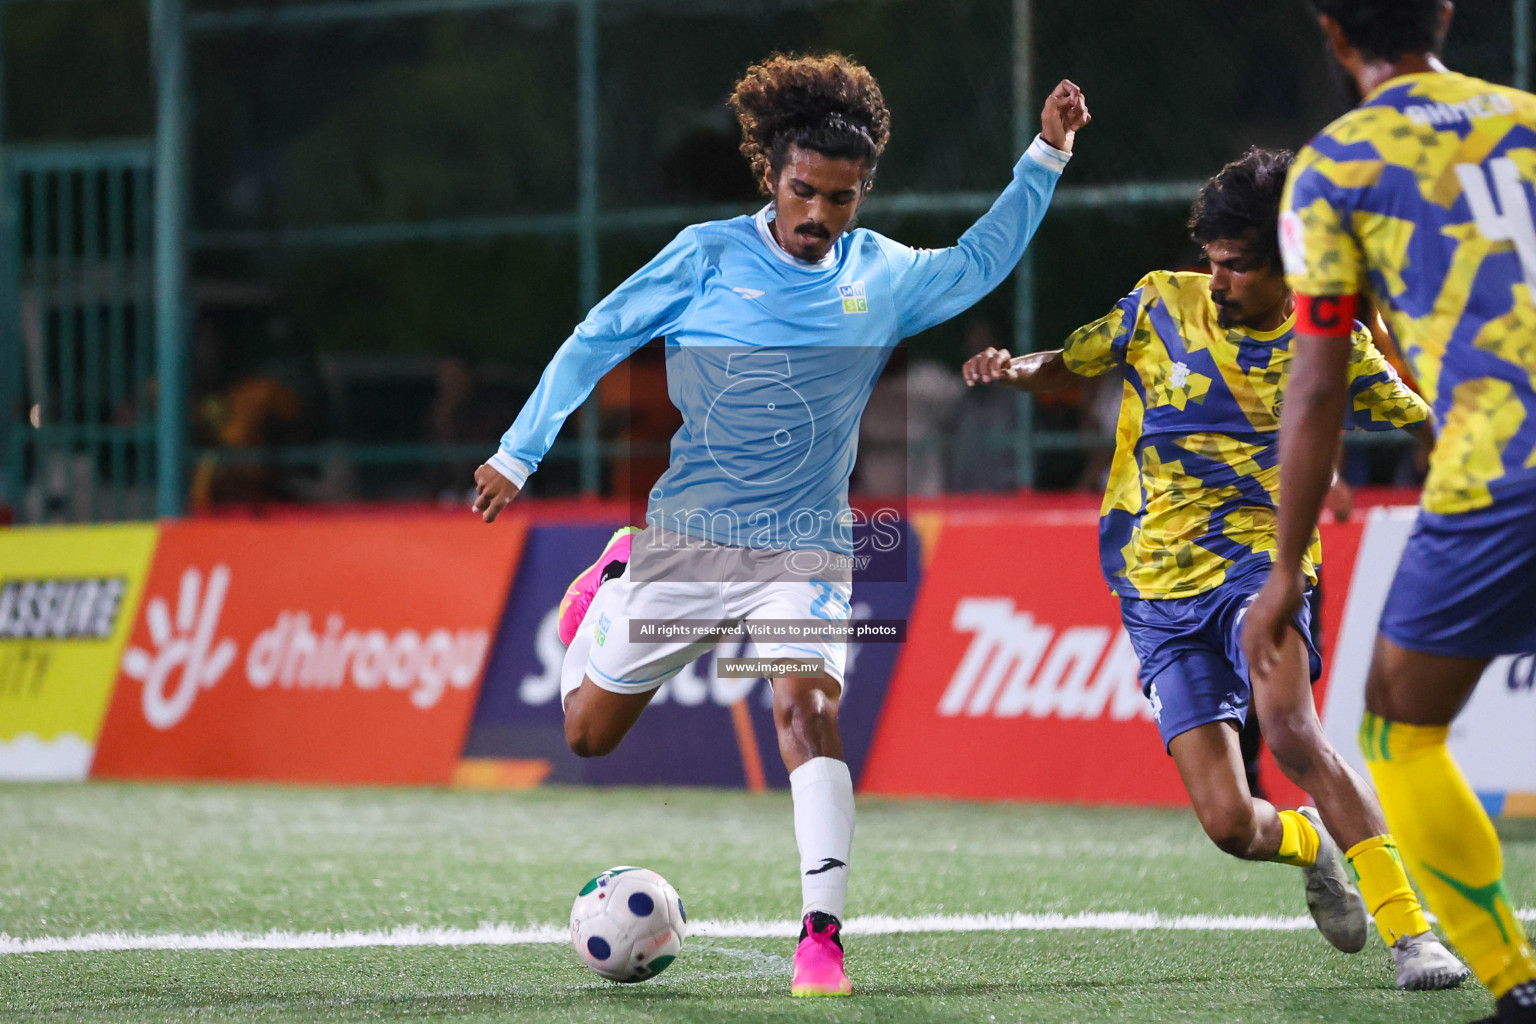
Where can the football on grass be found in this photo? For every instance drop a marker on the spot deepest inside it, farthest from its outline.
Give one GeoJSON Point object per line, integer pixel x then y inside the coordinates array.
{"type": "Point", "coordinates": [628, 924]}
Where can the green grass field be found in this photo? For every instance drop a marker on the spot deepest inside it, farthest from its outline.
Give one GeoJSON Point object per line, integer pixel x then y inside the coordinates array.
{"type": "Point", "coordinates": [157, 861]}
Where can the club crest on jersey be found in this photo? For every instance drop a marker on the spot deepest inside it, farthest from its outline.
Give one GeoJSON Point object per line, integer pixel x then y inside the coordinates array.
{"type": "Point", "coordinates": [853, 297]}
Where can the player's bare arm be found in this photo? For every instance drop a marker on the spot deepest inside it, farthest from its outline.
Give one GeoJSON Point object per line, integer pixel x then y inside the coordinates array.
{"type": "Point", "coordinates": [493, 492]}
{"type": "Point", "coordinates": [1036, 372]}
{"type": "Point", "coordinates": [1313, 415]}
{"type": "Point", "coordinates": [1341, 497]}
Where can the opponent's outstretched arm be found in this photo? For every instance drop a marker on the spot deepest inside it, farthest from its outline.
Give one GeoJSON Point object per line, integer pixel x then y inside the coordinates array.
{"type": "Point", "coordinates": [1035, 372]}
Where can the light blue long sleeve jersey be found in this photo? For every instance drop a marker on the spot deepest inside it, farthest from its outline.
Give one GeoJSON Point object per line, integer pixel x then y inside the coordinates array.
{"type": "Point", "coordinates": [771, 360]}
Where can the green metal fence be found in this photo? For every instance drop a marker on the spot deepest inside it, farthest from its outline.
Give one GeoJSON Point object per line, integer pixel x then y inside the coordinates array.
{"type": "Point", "coordinates": [99, 376]}
{"type": "Point", "coordinates": [79, 300]}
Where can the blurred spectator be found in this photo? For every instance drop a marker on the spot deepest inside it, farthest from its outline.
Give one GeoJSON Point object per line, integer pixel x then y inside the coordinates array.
{"type": "Point", "coordinates": [261, 409]}
{"type": "Point", "coordinates": [465, 410]}
{"type": "Point", "coordinates": [904, 433]}
{"type": "Point", "coordinates": [981, 450]}
{"type": "Point", "coordinates": [253, 413]}
{"type": "Point", "coordinates": [638, 414]}
{"type": "Point", "coordinates": [934, 394]}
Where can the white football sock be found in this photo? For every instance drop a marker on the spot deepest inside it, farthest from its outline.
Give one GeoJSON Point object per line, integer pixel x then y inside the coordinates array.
{"type": "Point", "coordinates": [823, 793]}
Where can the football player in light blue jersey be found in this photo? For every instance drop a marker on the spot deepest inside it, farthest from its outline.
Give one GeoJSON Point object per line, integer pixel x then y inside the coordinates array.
{"type": "Point", "coordinates": [777, 326]}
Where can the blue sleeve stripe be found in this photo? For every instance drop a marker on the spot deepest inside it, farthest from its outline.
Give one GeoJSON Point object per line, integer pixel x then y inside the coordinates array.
{"type": "Point", "coordinates": [1167, 330]}
{"type": "Point", "coordinates": [1129, 307]}
{"type": "Point", "coordinates": [1341, 152]}
{"type": "Point", "coordinates": [1312, 185]}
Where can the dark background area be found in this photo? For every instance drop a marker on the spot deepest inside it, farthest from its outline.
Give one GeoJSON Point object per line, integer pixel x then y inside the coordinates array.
{"type": "Point", "coordinates": [470, 117]}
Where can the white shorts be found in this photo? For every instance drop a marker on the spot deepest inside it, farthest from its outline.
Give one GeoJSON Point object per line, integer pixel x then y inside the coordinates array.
{"type": "Point", "coordinates": [623, 663]}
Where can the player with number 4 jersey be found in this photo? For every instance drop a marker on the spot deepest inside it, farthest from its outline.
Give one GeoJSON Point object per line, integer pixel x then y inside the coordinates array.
{"type": "Point", "coordinates": [1186, 535]}
{"type": "Point", "coordinates": [1421, 198]}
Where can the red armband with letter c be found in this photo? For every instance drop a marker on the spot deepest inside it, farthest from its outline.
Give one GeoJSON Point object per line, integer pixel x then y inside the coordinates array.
{"type": "Point", "coordinates": [1332, 316]}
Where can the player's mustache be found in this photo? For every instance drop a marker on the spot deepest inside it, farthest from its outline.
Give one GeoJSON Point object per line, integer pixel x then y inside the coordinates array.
{"type": "Point", "coordinates": [812, 228]}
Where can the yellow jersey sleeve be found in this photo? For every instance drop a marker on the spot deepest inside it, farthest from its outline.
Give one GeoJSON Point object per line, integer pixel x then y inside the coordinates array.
{"type": "Point", "coordinates": [1321, 254]}
{"type": "Point", "coordinates": [1097, 348]}
{"type": "Point", "coordinates": [1379, 400]}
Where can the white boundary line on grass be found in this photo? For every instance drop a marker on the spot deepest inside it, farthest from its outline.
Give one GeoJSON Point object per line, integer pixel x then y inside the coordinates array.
{"type": "Point", "coordinates": [510, 935]}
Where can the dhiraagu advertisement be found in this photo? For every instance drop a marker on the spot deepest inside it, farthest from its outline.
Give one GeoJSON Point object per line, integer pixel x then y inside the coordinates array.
{"type": "Point", "coordinates": [68, 598]}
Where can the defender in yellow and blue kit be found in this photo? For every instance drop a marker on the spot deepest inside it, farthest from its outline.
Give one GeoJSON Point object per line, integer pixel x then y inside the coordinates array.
{"type": "Point", "coordinates": [1187, 537]}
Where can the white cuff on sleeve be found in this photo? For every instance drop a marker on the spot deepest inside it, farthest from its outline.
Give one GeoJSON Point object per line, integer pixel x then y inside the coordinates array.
{"type": "Point", "coordinates": [513, 469]}
{"type": "Point", "coordinates": [1047, 155]}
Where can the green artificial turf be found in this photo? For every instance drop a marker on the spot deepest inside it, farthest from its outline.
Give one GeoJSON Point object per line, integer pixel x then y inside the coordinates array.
{"type": "Point", "coordinates": [157, 860]}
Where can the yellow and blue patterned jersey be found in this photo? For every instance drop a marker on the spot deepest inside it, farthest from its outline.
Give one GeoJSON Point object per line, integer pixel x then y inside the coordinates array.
{"type": "Point", "coordinates": [1421, 197]}
{"type": "Point", "coordinates": [1195, 473]}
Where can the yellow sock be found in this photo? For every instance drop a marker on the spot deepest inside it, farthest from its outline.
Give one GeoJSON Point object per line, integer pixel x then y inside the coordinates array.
{"type": "Point", "coordinates": [1384, 885]}
{"type": "Point", "coordinates": [1449, 844]}
{"type": "Point", "coordinates": [1298, 841]}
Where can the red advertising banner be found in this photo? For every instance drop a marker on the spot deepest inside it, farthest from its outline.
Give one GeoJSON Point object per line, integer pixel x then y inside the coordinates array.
{"type": "Point", "coordinates": [309, 651]}
{"type": "Point", "coordinates": [1018, 681]}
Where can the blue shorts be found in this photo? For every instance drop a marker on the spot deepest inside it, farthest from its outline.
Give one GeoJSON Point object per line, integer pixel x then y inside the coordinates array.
{"type": "Point", "coordinates": [1466, 586]}
{"type": "Point", "coordinates": [1193, 669]}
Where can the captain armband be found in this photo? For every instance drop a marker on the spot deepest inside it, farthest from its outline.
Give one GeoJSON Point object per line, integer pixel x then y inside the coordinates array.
{"type": "Point", "coordinates": [1332, 316]}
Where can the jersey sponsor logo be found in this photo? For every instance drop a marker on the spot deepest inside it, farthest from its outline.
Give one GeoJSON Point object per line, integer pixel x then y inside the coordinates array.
{"type": "Point", "coordinates": [1016, 666]}
{"type": "Point", "coordinates": [854, 299]}
{"type": "Point", "coordinates": [749, 293]}
{"type": "Point", "coordinates": [61, 609]}
{"type": "Point", "coordinates": [184, 657]}
{"type": "Point", "coordinates": [1472, 108]}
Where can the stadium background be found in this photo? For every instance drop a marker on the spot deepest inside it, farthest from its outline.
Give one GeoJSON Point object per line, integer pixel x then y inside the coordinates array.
{"type": "Point", "coordinates": [263, 264]}
{"type": "Point", "coordinates": [273, 279]}
{"type": "Point", "coordinates": [346, 236]}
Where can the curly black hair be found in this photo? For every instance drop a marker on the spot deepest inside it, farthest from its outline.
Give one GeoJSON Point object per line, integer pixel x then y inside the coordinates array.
{"type": "Point", "coordinates": [827, 103]}
{"type": "Point", "coordinates": [1387, 29]}
{"type": "Point", "coordinates": [1243, 201]}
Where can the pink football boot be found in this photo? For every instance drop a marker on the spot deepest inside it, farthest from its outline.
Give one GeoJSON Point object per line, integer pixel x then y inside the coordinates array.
{"type": "Point", "coordinates": [578, 596]}
{"type": "Point", "coordinates": [819, 958]}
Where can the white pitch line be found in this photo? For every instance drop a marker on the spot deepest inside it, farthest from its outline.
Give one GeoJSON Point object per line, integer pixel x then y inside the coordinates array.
{"type": "Point", "coordinates": [549, 934]}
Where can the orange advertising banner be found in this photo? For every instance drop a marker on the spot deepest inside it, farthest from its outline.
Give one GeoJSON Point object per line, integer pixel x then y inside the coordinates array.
{"type": "Point", "coordinates": [1020, 682]}
{"type": "Point", "coordinates": [326, 650]}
